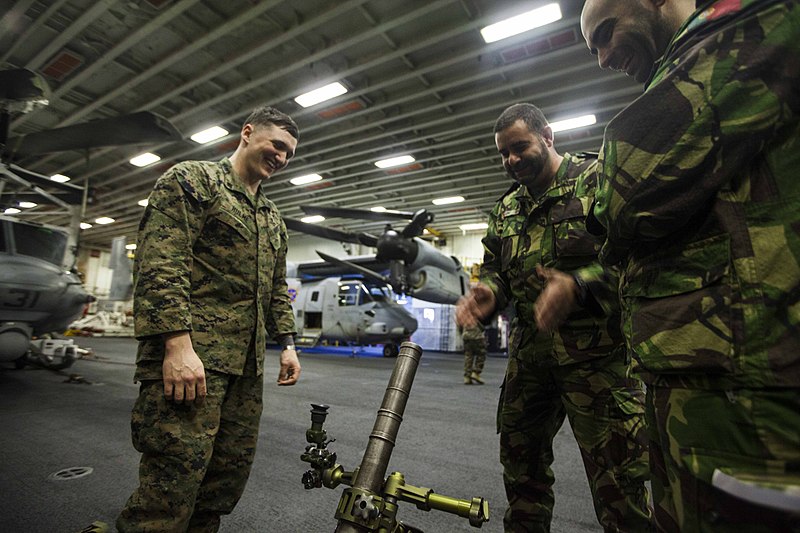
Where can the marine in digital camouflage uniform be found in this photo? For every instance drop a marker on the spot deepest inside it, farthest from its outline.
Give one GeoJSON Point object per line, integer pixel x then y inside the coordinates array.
{"type": "Point", "coordinates": [578, 371]}
{"type": "Point", "coordinates": [474, 354]}
{"type": "Point", "coordinates": [210, 269]}
{"type": "Point", "coordinates": [700, 197]}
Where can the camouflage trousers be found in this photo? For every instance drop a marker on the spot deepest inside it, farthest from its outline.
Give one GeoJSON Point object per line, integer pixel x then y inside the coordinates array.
{"type": "Point", "coordinates": [474, 355]}
{"type": "Point", "coordinates": [606, 412]}
{"type": "Point", "coordinates": [750, 434]}
{"type": "Point", "coordinates": [195, 458]}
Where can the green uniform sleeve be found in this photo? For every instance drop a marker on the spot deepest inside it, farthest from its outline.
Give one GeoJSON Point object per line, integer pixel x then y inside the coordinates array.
{"type": "Point", "coordinates": [162, 268]}
{"type": "Point", "coordinates": [602, 283]}
{"type": "Point", "coordinates": [703, 119]}
{"type": "Point", "coordinates": [491, 270]}
{"type": "Point", "coordinates": [280, 316]}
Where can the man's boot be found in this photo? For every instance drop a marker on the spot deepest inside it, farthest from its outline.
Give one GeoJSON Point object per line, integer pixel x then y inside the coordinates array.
{"type": "Point", "coordinates": [467, 379]}
{"type": "Point", "coordinates": [476, 377]}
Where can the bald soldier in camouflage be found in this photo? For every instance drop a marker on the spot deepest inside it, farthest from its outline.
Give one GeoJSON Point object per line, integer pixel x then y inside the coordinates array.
{"type": "Point", "coordinates": [537, 240]}
{"type": "Point", "coordinates": [700, 197]}
{"type": "Point", "coordinates": [209, 285]}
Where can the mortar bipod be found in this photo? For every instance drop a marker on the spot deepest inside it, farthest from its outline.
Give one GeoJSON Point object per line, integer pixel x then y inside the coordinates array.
{"type": "Point", "coordinates": [371, 502]}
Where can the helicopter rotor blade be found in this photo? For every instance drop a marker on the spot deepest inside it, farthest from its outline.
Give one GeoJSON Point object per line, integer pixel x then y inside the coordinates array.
{"type": "Point", "coordinates": [331, 233]}
{"type": "Point", "coordinates": [418, 222]}
{"type": "Point", "coordinates": [362, 214]}
{"type": "Point", "coordinates": [353, 267]}
{"type": "Point", "coordinates": [143, 127]}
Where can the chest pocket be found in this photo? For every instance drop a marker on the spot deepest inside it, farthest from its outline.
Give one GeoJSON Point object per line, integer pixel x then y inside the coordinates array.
{"type": "Point", "coordinates": [274, 229]}
{"type": "Point", "coordinates": [513, 240]}
{"type": "Point", "coordinates": [569, 228]}
{"type": "Point", "coordinates": [228, 227]}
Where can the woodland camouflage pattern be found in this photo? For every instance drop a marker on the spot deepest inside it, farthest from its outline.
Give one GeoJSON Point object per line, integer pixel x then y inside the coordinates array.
{"type": "Point", "coordinates": [701, 199]}
{"type": "Point", "coordinates": [578, 371]}
{"type": "Point", "coordinates": [524, 232]}
{"type": "Point", "coordinates": [210, 259]}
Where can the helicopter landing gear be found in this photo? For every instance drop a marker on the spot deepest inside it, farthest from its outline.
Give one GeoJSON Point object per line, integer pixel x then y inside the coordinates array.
{"type": "Point", "coordinates": [52, 354]}
{"type": "Point", "coordinates": [390, 349]}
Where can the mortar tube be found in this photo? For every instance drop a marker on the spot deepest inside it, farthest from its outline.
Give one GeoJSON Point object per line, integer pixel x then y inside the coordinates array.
{"type": "Point", "coordinates": [375, 462]}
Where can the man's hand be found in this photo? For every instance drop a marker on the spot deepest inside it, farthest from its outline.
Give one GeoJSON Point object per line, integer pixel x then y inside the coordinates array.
{"type": "Point", "coordinates": [557, 300]}
{"type": "Point", "coordinates": [290, 368]}
{"type": "Point", "coordinates": [476, 306]}
{"type": "Point", "coordinates": [183, 372]}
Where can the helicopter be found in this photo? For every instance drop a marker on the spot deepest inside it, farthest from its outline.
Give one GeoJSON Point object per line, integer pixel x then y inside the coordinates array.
{"type": "Point", "coordinates": [404, 265]}
{"type": "Point", "coordinates": [349, 309]}
{"type": "Point", "coordinates": [408, 264]}
{"type": "Point", "coordinates": [40, 289]}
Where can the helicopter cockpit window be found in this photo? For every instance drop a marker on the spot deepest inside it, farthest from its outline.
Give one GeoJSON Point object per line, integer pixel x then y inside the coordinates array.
{"type": "Point", "coordinates": [42, 243]}
{"type": "Point", "coordinates": [364, 295]}
{"type": "Point", "coordinates": [381, 293]}
{"type": "Point", "coordinates": [348, 295]}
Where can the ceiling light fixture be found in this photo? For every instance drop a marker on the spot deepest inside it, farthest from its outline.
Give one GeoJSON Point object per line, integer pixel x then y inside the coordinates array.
{"type": "Point", "coordinates": [312, 219]}
{"type": "Point", "coordinates": [60, 178]}
{"type": "Point", "coordinates": [395, 161]}
{"type": "Point", "coordinates": [308, 178]}
{"type": "Point", "coordinates": [332, 90]}
{"type": "Point", "coordinates": [378, 209]}
{"type": "Point", "coordinates": [211, 134]}
{"type": "Point", "coordinates": [448, 200]}
{"type": "Point", "coordinates": [143, 203]}
{"type": "Point", "coordinates": [521, 23]}
{"type": "Point", "coordinates": [573, 123]}
{"type": "Point", "coordinates": [104, 220]}
{"type": "Point", "coordinates": [473, 227]}
{"type": "Point", "coordinates": [85, 225]}
{"type": "Point", "coordinates": [12, 211]}
{"type": "Point", "coordinates": [142, 160]}
{"type": "Point", "coordinates": [131, 246]}
{"type": "Point", "coordinates": [28, 205]}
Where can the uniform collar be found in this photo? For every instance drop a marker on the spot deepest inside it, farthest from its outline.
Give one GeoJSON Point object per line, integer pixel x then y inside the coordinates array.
{"type": "Point", "coordinates": [233, 182]}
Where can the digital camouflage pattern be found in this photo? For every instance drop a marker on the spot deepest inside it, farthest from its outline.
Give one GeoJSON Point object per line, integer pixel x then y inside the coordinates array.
{"type": "Point", "coordinates": [577, 372]}
{"type": "Point", "coordinates": [210, 259]}
{"type": "Point", "coordinates": [175, 462]}
{"type": "Point", "coordinates": [474, 349]}
{"type": "Point", "coordinates": [701, 199]}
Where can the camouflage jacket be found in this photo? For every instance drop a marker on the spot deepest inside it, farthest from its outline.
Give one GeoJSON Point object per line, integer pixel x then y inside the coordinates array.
{"type": "Point", "coordinates": [211, 259]}
{"type": "Point", "coordinates": [701, 199]}
{"type": "Point", "coordinates": [550, 230]}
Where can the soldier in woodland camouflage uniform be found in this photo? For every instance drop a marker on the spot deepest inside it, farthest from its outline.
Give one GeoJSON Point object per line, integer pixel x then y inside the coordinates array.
{"type": "Point", "coordinates": [536, 246]}
{"type": "Point", "coordinates": [209, 285]}
{"type": "Point", "coordinates": [474, 354]}
{"type": "Point", "coordinates": [700, 197]}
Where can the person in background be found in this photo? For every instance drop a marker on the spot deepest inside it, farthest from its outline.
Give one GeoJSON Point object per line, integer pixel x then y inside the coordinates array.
{"type": "Point", "coordinates": [474, 354]}
{"type": "Point", "coordinates": [700, 200]}
{"type": "Point", "coordinates": [537, 249]}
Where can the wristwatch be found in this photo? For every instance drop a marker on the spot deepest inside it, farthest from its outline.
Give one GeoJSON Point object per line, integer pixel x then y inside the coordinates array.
{"type": "Point", "coordinates": [290, 347]}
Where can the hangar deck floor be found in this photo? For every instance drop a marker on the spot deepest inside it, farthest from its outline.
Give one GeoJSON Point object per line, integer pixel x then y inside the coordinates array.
{"type": "Point", "coordinates": [447, 442]}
